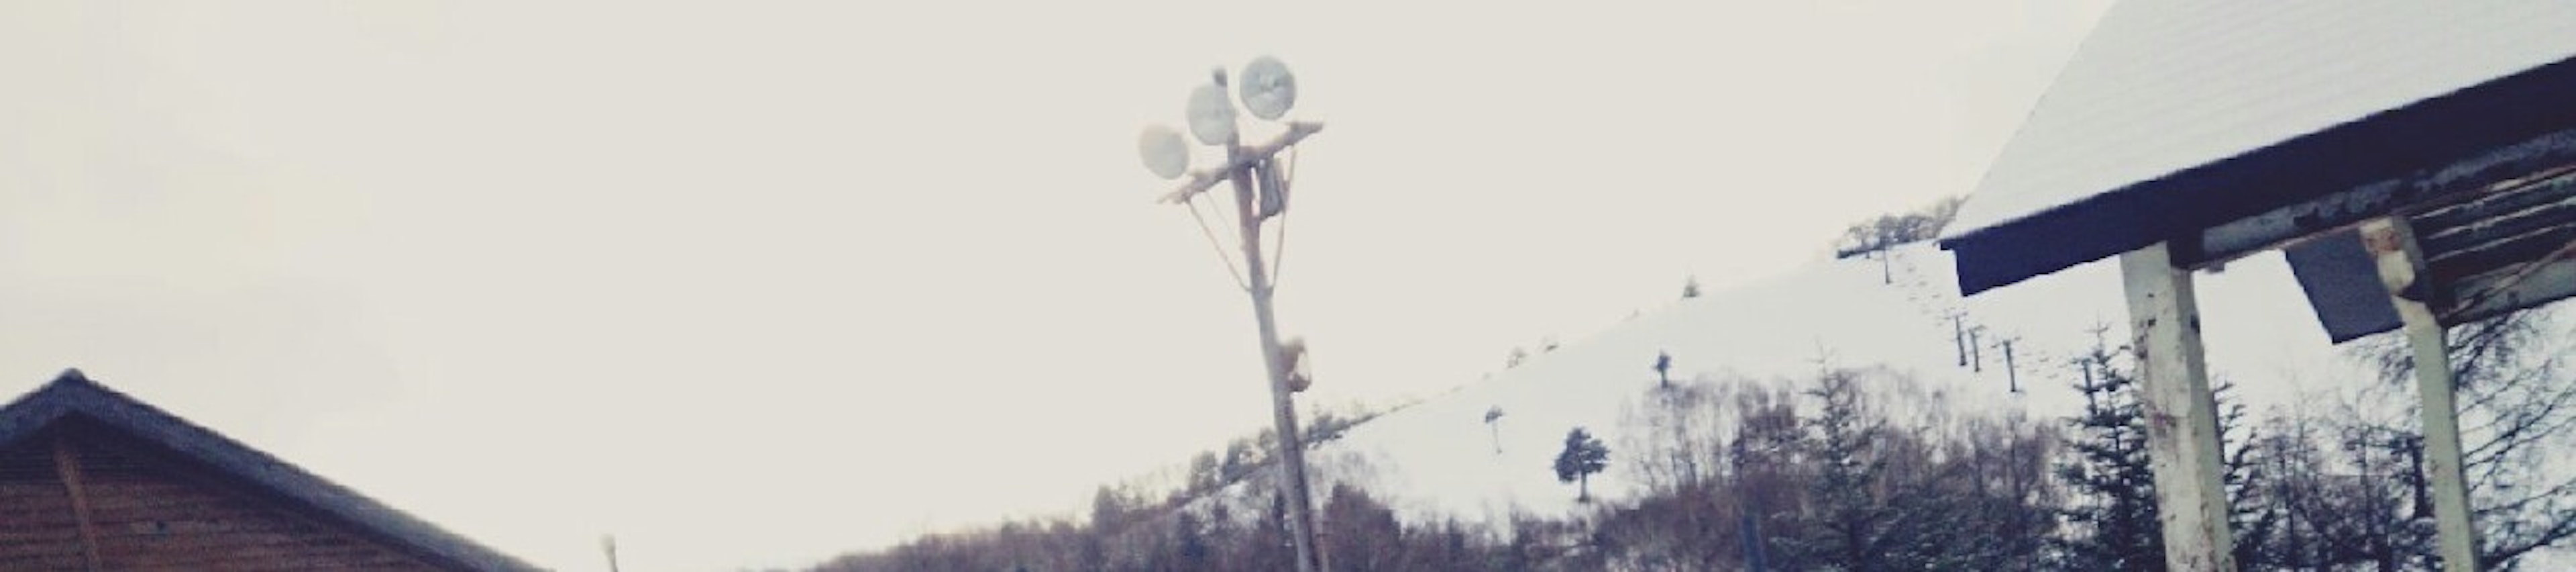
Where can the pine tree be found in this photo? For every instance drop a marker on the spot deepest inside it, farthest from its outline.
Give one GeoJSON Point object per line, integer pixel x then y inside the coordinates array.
{"type": "Point", "coordinates": [2246, 484]}
{"type": "Point", "coordinates": [1584, 455]}
{"type": "Point", "coordinates": [1853, 524]}
{"type": "Point", "coordinates": [1663, 369]}
{"type": "Point", "coordinates": [2113, 513]}
{"type": "Point", "coordinates": [2114, 509]}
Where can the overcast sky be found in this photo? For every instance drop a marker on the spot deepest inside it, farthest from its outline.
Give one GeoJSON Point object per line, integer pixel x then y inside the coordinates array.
{"type": "Point", "coordinates": [757, 283]}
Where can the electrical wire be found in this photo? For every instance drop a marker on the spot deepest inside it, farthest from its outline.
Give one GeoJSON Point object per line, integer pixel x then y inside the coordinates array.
{"type": "Point", "coordinates": [1219, 246]}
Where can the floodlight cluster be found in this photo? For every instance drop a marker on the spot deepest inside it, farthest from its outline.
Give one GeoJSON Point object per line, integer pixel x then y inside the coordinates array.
{"type": "Point", "coordinates": [1266, 89]}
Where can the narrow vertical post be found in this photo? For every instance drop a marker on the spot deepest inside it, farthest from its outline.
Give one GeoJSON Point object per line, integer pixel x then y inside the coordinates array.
{"type": "Point", "coordinates": [67, 466]}
{"type": "Point", "coordinates": [1959, 336]}
{"type": "Point", "coordinates": [2012, 375]}
{"type": "Point", "coordinates": [2392, 243]}
{"type": "Point", "coordinates": [1976, 350]}
{"type": "Point", "coordinates": [2181, 414]}
{"type": "Point", "coordinates": [1292, 447]}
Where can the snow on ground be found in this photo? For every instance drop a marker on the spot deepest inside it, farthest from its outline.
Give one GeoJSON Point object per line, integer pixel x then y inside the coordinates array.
{"type": "Point", "coordinates": [1436, 460]}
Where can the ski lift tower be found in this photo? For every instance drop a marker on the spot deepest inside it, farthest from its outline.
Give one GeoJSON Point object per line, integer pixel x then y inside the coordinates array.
{"type": "Point", "coordinates": [2415, 162]}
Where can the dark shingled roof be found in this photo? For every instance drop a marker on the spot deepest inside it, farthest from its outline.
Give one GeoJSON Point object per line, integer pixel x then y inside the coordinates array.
{"type": "Point", "coordinates": [73, 396]}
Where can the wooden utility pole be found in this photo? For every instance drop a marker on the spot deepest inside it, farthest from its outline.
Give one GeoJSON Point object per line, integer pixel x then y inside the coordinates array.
{"type": "Point", "coordinates": [2181, 414]}
{"type": "Point", "coordinates": [2392, 243]}
{"type": "Point", "coordinates": [1260, 192]}
{"type": "Point", "coordinates": [1292, 448]}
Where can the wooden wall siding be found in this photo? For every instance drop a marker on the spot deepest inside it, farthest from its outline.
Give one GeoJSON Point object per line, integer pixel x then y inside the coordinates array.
{"type": "Point", "coordinates": [153, 514]}
{"type": "Point", "coordinates": [36, 527]}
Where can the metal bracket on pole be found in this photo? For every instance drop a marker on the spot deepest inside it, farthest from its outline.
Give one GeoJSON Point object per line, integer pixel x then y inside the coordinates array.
{"type": "Point", "coordinates": [2391, 242]}
{"type": "Point", "coordinates": [2181, 414]}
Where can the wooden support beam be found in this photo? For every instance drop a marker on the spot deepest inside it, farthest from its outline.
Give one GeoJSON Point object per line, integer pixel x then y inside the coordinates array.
{"type": "Point", "coordinates": [2392, 243]}
{"type": "Point", "coordinates": [2430, 190]}
{"type": "Point", "coordinates": [67, 466]}
{"type": "Point", "coordinates": [2181, 414]}
{"type": "Point", "coordinates": [1238, 159]}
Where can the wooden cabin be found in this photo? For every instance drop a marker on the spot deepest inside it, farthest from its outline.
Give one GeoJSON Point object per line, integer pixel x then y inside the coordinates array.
{"type": "Point", "coordinates": [91, 479]}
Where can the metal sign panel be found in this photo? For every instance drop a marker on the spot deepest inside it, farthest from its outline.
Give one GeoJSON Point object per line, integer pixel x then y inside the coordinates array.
{"type": "Point", "coordinates": [2343, 286]}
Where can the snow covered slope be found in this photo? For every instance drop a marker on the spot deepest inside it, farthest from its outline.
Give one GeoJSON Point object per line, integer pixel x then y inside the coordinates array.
{"type": "Point", "coordinates": [1436, 459]}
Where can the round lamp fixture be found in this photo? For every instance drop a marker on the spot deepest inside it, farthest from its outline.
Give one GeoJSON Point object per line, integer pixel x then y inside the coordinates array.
{"type": "Point", "coordinates": [1164, 152]}
{"type": "Point", "coordinates": [1268, 89]}
{"type": "Point", "coordinates": [1211, 115]}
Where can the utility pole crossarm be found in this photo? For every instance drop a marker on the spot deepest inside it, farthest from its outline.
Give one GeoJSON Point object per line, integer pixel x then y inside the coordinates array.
{"type": "Point", "coordinates": [1201, 180]}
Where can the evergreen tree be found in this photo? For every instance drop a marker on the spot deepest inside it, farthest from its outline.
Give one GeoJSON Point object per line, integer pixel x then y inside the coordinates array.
{"type": "Point", "coordinates": [2113, 513]}
{"type": "Point", "coordinates": [2246, 483]}
{"type": "Point", "coordinates": [1583, 456]}
{"type": "Point", "coordinates": [1853, 525]}
{"type": "Point", "coordinates": [1663, 369]}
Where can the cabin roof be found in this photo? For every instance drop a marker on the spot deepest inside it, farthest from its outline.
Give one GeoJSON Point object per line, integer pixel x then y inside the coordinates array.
{"type": "Point", "coordinates": [73, 397]}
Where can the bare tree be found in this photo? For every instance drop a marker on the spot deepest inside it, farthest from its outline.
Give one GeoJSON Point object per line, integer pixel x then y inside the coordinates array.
{"type": "Point", "coordinates": [2517, 406]}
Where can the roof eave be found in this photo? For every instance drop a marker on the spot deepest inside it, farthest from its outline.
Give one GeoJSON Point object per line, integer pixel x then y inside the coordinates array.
{"type": "Point", "coordinates": [2402, 143]}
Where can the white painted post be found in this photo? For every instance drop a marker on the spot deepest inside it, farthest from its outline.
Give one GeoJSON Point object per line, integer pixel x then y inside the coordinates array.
{"type": "Point", "coordinates": [2181, 414]}
{"type": "Point", "coordinates": [2392, 244]}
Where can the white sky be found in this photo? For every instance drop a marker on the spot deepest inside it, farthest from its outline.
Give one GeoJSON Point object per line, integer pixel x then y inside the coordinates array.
{"type": "Point", "coordinates": [757, 283]}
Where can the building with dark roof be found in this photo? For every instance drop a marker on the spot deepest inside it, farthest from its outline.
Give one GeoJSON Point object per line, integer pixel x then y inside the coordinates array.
{"type": "Point", "coordinates": [2414, 162]}
{"type": "Point", "coordinates": [91, 479]}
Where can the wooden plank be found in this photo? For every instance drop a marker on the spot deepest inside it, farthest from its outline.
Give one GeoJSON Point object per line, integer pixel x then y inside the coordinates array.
{"type": "Point", "coordinates": [2507, 197]}
{"type": "Point", "coordinates": [2428, 190]}
{"type": "Point", "coordinates": [174, 518]}
{"type": "Point", "coordinates": [2181, 414]}
{"type": "Point", "coordinates": [2392, 243]}
{"type": "Point", "coordinates": [2542, 281]}
{"type": "Point", "coordinates": [67, 465]}
{"type": "Point", "coordinates": [2498, 252]}
{"type": "Point", "coordinates": [153, 512]}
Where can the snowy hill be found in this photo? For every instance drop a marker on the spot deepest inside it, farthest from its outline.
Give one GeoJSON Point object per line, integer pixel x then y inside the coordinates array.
{"type": "Point", "coordinates": [1437, 459]}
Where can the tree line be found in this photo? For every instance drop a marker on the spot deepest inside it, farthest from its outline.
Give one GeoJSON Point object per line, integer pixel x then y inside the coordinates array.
{"type": "Point", "coordinates": [1861, 469]}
